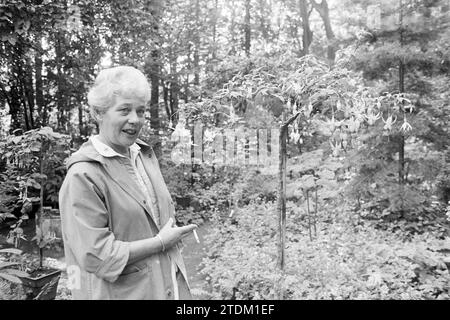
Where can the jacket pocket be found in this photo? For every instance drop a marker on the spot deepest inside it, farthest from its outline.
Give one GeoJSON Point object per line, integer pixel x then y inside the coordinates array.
{"type": "Point", "coordinates": [132, 268]}
{"type": "Point", "coordinates": [133, 284]}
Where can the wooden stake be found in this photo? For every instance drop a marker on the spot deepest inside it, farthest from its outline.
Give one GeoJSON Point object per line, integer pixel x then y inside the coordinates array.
{"type": "Point", "coordinates": [282, 189]}
{"type": "Point", "coordinates": [309, 215]}
{"type": "Point", "coordinates": [315, 216]}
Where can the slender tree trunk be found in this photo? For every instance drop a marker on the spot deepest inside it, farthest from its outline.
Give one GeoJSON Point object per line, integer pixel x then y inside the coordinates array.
{"type": "Point", "coordinates": [186, 80]}
{"type": "Point", "coordinates": [24, 103]}
{"type": "Point", "coordinates": [60, 80]}
{"type": "Point", "coordinates": [166, 99]}
{"type": "Point", "coordinates": [197, 44]}
{"type": "Point", "coordinates": [186, 89]}
{"type": "Point", "coordinates": [29, 91]}
{"type": "Point", "coordinates": [154, 69]}
{"type": "Point", "coordinates": [214, 30]}
{"type": "Point", "coordinates": [174, 92]}
{"type": "Point", "coordinates": [247, 28]}
{"type": "Point", "coordinates": [401, 77]}
{"type": "Point", "coordinates": [38, 218]}
{"type": "Point", "coordinates": [154, 100]}
{"type": "Point", "coordinates": [40, 103]}
{"type": "Point", "coordinates": [263, 22]}
{"type": "Point", "coordinates": [80, 120]}
{"type": "Point", "coordinates": [324, 13]}
{"type": "Point", "coordinates": [232, 28]}
{"type": "Point", "coordinates": [19, 90]}
{"type": "Point", "coordinates": [401, 153]}
{"type": "Point", "coordinates": [14, 107]}
{"type": "Point", "coordinates": [307, 33]}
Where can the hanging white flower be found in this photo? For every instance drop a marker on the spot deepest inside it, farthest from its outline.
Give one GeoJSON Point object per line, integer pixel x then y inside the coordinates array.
{"type": "Point", "coordinates": [388, 123]}
{"type": "Point", "coordinates": [180, 132]}
{"type": "Point", "coordinates": [372, 117]}
{"type": "Point", "coordinates": [405, 126]}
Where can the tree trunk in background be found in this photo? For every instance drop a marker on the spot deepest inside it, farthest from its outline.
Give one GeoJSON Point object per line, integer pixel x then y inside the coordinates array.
{"type": "Point", "coordinates": [154, 100]}
{"type": "Point", "coordinates": [80, 120]}
{"type": "Point", "coordinates": [14, 111]}
{"type": "Point", "coordinates": [174, 87]}
{"type": "Point", "coordinates": [232, 28]}
{"type": "Point", "coordinates": [60, 81]}
{"type": "Point", "coordinates": [153, 67]}
{"type": "Point", "coordinates": [197, 44]}
{"type": "Point", "coordinates": [401, 87]}
{"type": "Point", "coordinates": [247, 28]}
{"type": "Point", "coordinates": [324, 13]}
{"type": "Point", "coordinates": [40, 103]}
{"type": "Point", "coordinates": [166, 100]}
{"type": "Point", "coordinates": [29, 90]}
{"type": "Point", "coordinates": [307, 33]}
{"type": "Point", "coordinates": [263, 21]}
{"type": "Point", "coordinates": [186, 79]}
{"type": "Point", "coordinates": [214, 30]}
{"type": "Point", "coordinates": [22, 78]}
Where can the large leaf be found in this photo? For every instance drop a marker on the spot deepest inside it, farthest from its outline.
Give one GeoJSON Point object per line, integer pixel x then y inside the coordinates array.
{"type": "Point", "coordinates": [7, 264]}
{"type": "Point", "coordinates": [10, 278]}
{"type": "Point", "coordinates": [17, 273]}
{"type": "Point", "coordinates": [11, 250]}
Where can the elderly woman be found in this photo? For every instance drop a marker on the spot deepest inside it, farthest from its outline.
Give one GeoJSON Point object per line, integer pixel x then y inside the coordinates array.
{"type": "Point", "coordinates": [120, 240]}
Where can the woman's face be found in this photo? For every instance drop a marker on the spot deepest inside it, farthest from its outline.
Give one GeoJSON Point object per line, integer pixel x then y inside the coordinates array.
{"type": "Point", "coordinates": [120, 125]}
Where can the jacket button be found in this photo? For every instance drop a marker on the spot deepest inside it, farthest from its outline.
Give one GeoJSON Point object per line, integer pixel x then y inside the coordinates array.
{"type": "Point", "coordinates": [144, 201]}
{"type": "Point", "coordinates": [169, 293]}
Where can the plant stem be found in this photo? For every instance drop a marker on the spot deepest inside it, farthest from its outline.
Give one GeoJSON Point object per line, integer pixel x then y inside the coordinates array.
{"type": "Point", "coordinates": [315, 215]}
{"type": "Point", "coordinates": [309, 215]}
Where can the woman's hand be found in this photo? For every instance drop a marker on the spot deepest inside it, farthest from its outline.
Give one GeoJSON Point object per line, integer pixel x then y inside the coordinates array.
{"type": "Point", "coordinates": [171, 234]}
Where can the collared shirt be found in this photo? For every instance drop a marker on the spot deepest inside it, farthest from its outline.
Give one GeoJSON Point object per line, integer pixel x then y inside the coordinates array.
{"type": "Point", "coordinates": [143, 181]}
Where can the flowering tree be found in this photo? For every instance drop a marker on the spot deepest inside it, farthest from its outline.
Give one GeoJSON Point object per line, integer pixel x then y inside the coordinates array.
{"type": "Point", "coordinates": [316, 100]}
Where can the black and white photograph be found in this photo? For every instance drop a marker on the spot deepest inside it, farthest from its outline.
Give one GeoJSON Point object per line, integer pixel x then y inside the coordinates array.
{"type": "Point", "coordinates": [249, 152]}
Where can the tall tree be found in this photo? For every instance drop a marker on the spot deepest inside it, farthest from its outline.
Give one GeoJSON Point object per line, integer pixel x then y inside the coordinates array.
{"type": "Point", "coordinates": [154, 68]}
{"type": "Point", "coordinates": [307, 36]}
{"type": "Point", "coordinates": [197, 43]}
{"type": "Point", "coordinates": [247, 28]}
{"type": "Point", "coordinates": [324, 13]}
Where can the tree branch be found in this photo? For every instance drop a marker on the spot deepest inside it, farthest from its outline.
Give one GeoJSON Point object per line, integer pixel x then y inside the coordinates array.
{"type": "Point", "coordinates": [290, 120]}
{"type": "Point", "coordinates": [317, 6]}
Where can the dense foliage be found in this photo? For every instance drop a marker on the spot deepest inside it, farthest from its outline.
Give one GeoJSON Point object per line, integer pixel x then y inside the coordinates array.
{"type": "Point", "coordinates": [348, 259]}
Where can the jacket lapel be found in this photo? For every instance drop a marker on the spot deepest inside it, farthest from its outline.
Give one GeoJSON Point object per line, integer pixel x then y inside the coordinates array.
{"type": "Point", "coordinates": [117, 170]}
{"type": "Point", "coordinates": [162, 193]}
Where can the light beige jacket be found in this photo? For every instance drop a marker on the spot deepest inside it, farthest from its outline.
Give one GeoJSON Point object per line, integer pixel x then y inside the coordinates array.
{"type": "Point", "coordinates": [102, 210]}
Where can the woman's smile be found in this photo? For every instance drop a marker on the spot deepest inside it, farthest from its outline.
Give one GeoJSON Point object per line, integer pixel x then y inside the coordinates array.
{"type": "Point", "coordinates": [121, 124]}
{"type": "Point", "coordinates": [131, 132]}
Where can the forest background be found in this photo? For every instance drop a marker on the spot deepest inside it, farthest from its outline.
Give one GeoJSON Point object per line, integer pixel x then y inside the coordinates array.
{"type": "Point", "coordinates": [363, 212]}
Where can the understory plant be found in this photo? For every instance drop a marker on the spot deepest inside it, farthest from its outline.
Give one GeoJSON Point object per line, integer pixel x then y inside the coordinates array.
{"type": "Point", "coordinates": [348, 259]}
{"type": "Point", "coordinates": [35, 170]}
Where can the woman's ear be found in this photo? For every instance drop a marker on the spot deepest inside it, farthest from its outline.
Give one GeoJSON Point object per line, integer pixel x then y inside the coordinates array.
{"type": "Point", "coordinates": [96, 115]}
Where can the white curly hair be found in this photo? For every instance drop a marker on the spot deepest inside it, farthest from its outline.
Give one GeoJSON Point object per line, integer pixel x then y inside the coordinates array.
{"type": "Point", "coordinates": [124, 81]}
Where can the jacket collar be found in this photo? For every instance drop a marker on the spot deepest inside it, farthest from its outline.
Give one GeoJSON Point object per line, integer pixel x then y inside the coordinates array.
{"type": "Point", "coordinates": [88, 153]}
